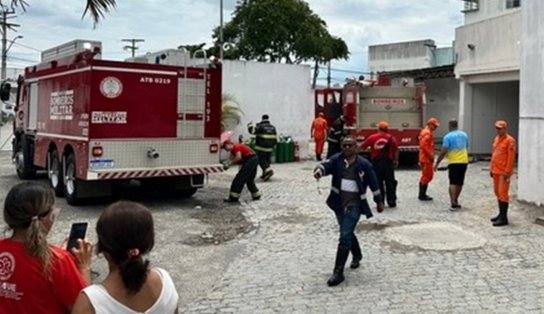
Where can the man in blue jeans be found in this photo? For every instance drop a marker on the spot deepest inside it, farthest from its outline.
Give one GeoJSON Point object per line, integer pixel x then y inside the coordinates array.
{"type": "Point", "coordinates": [351, 174]}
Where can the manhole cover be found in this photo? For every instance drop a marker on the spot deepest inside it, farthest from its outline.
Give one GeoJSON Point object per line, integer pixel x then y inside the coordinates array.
{"type": "Point", "coordinates": [442, 236]}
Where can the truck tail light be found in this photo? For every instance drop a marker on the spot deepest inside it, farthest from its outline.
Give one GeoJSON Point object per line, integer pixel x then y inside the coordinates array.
{"type": "Point", "coordinates": [97, 151]}
{"type": "Point", "coordinates": [214, 148]}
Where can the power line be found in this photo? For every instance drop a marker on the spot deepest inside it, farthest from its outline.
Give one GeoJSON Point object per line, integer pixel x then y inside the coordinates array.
{"type": "Point", "coordinates": [132, 47]}
{"type": "Point", "coordinates": [28, 47]}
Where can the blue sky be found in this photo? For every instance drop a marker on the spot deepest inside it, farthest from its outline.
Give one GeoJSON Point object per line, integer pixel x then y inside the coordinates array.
{"type": "Point", "coordinates": [167, 24]}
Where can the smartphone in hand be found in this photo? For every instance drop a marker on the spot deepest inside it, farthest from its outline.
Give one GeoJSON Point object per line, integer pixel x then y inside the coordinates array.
{"type": "Point", "coordinates": [78, 231]}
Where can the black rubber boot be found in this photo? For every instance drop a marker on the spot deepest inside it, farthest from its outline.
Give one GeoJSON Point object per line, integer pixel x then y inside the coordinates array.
{"type": "Point", "coordinates": [338, 272]}
{"type": "Point", "coordinates": [423, 193]}
{"type": "Point", "coordinates": [356, 254]}
{"type": "Point", "coordinates": [503, 216]}
{"type": "Point", "coordinates": [318, 157]}
{"type": "Point", "coordinates": [498, 215]}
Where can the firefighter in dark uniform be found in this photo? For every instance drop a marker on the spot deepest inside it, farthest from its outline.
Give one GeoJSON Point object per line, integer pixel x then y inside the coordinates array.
{"type": "Point", "coordinates": [246, 158]}
{"type": "Point", "coordinates": [265, 140]}
{"type": "Point", "coordinates": [335, 136]}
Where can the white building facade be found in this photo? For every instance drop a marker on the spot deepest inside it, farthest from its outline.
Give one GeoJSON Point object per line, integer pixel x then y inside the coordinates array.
{"type": "Point", "coordinates": [531, 116]}
{"type": "Point", "coordinates": [488, 50]}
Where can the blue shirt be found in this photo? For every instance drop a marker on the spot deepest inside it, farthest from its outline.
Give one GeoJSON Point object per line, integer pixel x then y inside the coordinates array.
{"type": "Point", "coordinates": [456, 142]}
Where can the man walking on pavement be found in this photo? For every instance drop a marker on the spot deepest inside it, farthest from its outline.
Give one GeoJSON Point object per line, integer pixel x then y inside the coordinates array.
{"type": "Point", "coordinates": [455, 147]}
{"type": "Point", "coordinates": [334, 136]}
{"type": "Point", "coordinates": [265, 140]}
{"type": "Point", "coordinates": [502, 169]}
{"type": "Point", "coordinates": [319, 133]}
{"type": "Point", "coordinates": [244, 156]}
{"type": "Point", "coordinates": [351, 174]}
{"type": "Point", "coordinates": [426, 157]}
{"type": "Point", "coordinates": [384, 154]}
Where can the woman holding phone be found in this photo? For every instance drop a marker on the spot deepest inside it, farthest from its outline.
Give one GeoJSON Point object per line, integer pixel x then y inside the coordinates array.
{"type": "Point", "coordinates": [125, 234]}
{"type": "Point", "coordinates": [38, 277]}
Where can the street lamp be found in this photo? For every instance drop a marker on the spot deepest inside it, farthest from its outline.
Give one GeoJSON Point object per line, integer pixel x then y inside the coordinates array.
{"type": "Point", "coordinates": [5, 54]}
{"type": "Point", "coordinates": [12, 41]}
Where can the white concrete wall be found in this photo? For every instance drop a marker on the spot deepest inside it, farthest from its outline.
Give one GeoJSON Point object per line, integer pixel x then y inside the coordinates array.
{"type": "Point", "coordinates": [531, 121]}
{"type": "Point", "coordinates": [442, 102]}
{"type": "Point", "coordinates": [282, 91]}
{"type": "Point", "coordinates": [496, 43]}
{"type": "Point", "coordinates": [400, 56]}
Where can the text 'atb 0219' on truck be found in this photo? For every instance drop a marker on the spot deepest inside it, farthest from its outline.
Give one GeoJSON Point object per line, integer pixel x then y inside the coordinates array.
{"type": "Point", "coordinates": [92, 123]}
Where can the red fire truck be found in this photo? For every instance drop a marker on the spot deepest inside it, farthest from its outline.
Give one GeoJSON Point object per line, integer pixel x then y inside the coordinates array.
{"type": "Point", "coordinates": [367, 103]}
{"type": "Point", "coordinates": [364, 103]}
{"type": "Point", "coordinates": [92, 123]}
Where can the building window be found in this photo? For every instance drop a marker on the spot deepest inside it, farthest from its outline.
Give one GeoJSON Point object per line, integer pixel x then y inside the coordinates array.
{"type": "Point", "coordinates": [470, 5]}
{"type": "Point", "coordinates": [510, 4]}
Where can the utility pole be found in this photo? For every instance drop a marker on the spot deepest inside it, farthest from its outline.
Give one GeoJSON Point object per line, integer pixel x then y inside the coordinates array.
{"type": "Point", "coordinates": [132, 47]}
{"type": "Point", "coordinates": [5, 25]}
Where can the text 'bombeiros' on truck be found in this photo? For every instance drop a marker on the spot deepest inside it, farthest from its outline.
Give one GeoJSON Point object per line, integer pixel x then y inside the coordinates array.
{"type": "Point", "coordinates": [92, 124]}
{"type": "Point", "coordinates": [364, 103]}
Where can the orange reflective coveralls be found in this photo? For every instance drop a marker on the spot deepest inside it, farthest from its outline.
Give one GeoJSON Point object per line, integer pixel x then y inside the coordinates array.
{"type": "Point", "coordinates": [426, 155]}
{"type": "Point", "coordinates": [319, 133]}
{"type": "Point", "coordinates": [502, 165]}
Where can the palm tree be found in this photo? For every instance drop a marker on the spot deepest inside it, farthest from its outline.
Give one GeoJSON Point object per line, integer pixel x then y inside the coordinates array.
{"type": "Point", "coordinates": [96, 8]}
{"type": "Point", "coordinates": [231, 113]}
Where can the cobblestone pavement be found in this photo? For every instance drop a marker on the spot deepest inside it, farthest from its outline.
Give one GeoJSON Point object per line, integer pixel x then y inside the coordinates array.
{"type": "Point", "coordinates": [289, 257]}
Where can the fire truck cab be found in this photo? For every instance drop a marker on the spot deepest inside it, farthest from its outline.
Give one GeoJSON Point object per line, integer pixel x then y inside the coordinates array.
{"type": "Point", "coordinates": [92, 123]}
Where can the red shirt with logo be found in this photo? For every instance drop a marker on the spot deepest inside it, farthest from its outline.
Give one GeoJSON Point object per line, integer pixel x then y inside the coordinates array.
{"type": "Point", "coordinates": [377, 142]}
{"type": "Point", "coordinates": [245, 150]}
{"type": "Point", "coordinates": [23, 287]}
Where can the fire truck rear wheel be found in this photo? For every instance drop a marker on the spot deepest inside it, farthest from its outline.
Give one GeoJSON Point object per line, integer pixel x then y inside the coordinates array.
{"type": "Point", "coordinates": [23, 159]}
{"type": "Point", "coordinates": [71, 183]}
{"type": "Point", "coordinates": [54, 173]}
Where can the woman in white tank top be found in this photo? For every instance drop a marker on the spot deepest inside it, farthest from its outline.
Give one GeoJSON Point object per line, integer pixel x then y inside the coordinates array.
{"type": "Point", "coordinates": [125, 233]}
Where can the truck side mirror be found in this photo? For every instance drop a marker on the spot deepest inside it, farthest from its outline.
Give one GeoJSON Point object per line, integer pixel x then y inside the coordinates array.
{"type": "Point", "coordinates": [5, 90]}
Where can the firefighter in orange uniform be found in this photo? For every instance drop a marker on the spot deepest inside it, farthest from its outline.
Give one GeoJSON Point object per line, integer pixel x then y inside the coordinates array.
{"type": "Point", "coordinates": [426, 157]}
{"type": "Point", "coordinates": [502, 168]}
{"type": "Point", "coordinates": [319, 133]}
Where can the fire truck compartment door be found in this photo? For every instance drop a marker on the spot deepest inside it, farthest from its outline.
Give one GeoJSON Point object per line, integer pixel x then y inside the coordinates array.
{"type": "Point", "coordinates": [191, 107]}
{"type": "Point", "coordinates": [33, 107]}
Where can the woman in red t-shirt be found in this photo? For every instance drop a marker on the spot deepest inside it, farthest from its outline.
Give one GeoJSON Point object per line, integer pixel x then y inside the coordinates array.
{"type": "Point", "coordinates": [36, 277]}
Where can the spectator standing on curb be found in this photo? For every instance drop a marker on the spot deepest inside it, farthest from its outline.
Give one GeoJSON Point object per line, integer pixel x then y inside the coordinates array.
{"type": "Point", "coordinates": [334, 136]}
{"type": "Point", "coordinates": [246, 158]}
{"type": "Point", "coordinates": [125, 235]}
{"type": "Point", "coordinates": [265, 140]}
{"type": "Point", "coordinates": [502, 169]}
{"type": "Point", "coordinates": [455, 147]}
{"type": "Point", "coordinates": [351, 174]}
{"type": "Point", "coordinates": [426, 158]}
{"type": "Point", "coordinates": [319, 133]}
{"type": "Point", "coordinates": [38, 277]}
{"type": "Point", "coordinates": [384, 154]}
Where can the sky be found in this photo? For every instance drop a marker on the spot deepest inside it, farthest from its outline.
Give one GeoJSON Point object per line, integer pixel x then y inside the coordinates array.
{"type": "Point", "coordinates": [165, 24]}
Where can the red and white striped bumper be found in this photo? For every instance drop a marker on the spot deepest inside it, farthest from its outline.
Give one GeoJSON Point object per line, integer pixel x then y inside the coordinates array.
{"type": "Point", "coordinates": [153, 173]}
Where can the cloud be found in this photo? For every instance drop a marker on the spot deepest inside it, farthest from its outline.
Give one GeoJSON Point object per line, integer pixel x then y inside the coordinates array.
{"type": "Point", "coordinates": [167, 24]}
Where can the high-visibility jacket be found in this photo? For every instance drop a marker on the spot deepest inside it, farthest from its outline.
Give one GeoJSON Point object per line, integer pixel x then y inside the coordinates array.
{"type": "Point", "coordinates": [426, 146]}
{"type": "Point", "coordinates": [265, 136]}
{"type": "Point", "coordinates": [319, 128]}
{"type": "Point", "coordinates": [503, 155]}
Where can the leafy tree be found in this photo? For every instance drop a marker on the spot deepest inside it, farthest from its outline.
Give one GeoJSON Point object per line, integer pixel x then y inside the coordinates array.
{"type": "Point", "coordinates": [231, 113]}
{"type": "Point", "coordinates": [278, 31]}
{"type": "Point", "coordinates": [96, 8]}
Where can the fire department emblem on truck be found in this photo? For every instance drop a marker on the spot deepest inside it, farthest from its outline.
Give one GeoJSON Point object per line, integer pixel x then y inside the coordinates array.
{"type": "Point", "coordinates": [111, 87]}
